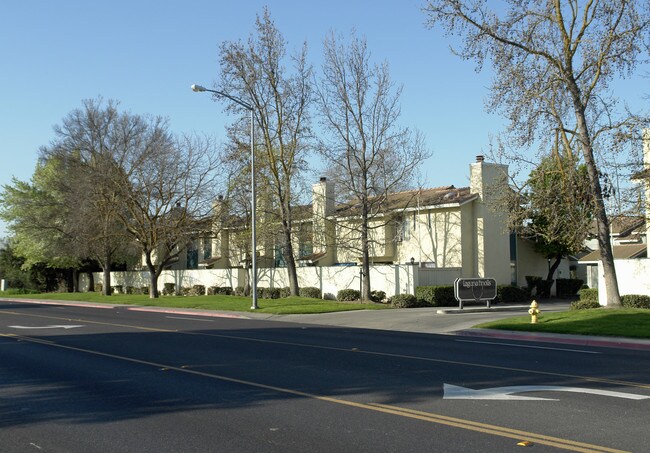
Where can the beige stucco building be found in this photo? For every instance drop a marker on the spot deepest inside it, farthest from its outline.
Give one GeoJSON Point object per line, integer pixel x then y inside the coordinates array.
{"type": "Point", "coordinates": [456, 230]}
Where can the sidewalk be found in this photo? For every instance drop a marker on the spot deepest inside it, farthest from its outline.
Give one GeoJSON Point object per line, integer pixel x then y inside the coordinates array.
{"type": "Point", "coordinates": [430, 320]}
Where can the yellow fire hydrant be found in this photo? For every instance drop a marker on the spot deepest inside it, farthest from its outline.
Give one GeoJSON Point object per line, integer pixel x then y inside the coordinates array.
{"type": "Point", "coordinates": [533, 312]}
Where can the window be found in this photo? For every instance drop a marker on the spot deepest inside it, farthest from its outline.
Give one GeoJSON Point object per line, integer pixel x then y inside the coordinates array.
{"type": "Point", "coordinates": [192, 256]}
{"type": "Point", "coordinates": [207, 248]}
{"type": "Point", "coordinates": [279, 260]}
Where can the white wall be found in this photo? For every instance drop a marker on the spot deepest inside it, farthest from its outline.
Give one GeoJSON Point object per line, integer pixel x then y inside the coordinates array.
{"type": "Point", "coordinates": [633, 278]}
{"type": "Point", "coordinates": [392, 279]}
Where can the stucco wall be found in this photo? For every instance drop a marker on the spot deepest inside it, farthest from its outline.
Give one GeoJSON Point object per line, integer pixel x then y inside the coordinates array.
{"type": "Point", "coordinates": [633, 278]}
{"type": "Point", "coordinates": [392, 279]}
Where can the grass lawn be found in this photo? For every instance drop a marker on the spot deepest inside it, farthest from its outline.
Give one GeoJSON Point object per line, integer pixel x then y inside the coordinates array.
{"type": "Point", "coordinates": [624, 322]}
{"type": "Point", "coordinates": [288, 305]}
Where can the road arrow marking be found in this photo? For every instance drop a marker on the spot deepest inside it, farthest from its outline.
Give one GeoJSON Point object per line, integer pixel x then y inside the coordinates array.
{"type": "Point", "coordinates": [455, 392]}
{"type": "Point", "coordinates": [47, 327]}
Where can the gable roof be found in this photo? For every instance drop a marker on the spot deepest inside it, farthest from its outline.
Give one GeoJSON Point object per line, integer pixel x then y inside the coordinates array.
{"type": "Point", "coordinates": [621, 252]}
{"type": "Point", "coordinates": [412, 199]}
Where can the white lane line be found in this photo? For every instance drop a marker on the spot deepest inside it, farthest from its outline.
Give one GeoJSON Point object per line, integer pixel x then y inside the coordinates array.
{"type": "Point", "coordinates": [529, 346]}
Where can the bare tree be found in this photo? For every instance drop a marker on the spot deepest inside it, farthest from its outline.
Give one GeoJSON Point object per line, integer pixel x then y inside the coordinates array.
{"type": "Point", "coordinates": [167, 187]}
{"type": "Point", "coordinates": [365, 147]}
{"type": "Point", "coordinates": [554, 61]}
{"type": "Point", "coordinates": [255, 71]}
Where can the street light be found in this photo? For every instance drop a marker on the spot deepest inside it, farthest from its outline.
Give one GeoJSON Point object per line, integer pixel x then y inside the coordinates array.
{"type": "Point", "coordinates": [199, 88]}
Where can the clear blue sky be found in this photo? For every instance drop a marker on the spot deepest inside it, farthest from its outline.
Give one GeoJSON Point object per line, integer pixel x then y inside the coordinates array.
{"type": "Point", "coordinates": [146, 54]}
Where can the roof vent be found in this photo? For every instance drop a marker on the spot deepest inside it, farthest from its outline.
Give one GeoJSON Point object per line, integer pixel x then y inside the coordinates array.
{"type": "Point", "coordinates": [480, 158]}
{"type": "Point", "coordinates": [323, 179]}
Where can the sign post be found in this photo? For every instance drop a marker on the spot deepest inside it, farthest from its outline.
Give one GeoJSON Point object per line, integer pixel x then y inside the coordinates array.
{"type": "Point", "coordinates": [475, 289]}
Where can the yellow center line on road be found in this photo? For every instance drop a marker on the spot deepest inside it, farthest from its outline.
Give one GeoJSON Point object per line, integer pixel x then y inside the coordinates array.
{"type": "Point", "coordinates": [375, 407]}
{"type": "Point", "coordinates": [354, 350]}
{"type": "Point", "coordinates": [500, 430]}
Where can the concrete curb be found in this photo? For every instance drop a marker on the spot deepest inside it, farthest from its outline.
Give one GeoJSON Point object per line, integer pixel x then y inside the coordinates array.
{"type": "Point", "coordinates": [580, 340]}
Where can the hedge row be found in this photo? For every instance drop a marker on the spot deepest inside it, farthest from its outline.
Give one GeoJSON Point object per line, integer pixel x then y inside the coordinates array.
{"type": "Point", "coordinates": [589, 299]}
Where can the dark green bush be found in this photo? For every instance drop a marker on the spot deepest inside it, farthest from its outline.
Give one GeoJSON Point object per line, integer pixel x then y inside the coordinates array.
{"type": "Point", "coordinates": [310, 291]}
{"type": "Point", "coordinates": [533, 282]}
{"type": "Point", "coordinates": [144, 290]}
{"type": "Point", "coordinates": [510, 294]}
{"type": "Point", "coordinates": [268, 293]}
{"type": "Point", "coordinates": [117, 289]}
{"type": "Point", "coordinates": [588, 294]}
{"type": "Point", "coordinates": [197, 290]}
{"type": "Point", "coordinates": [568, 287]}
{"type": "Point", "coordinates": [544, 288]}
{"type": "Point", "coordinates": [635, 301]}
{"type": "Point", "coordinates": [169, 289]}
{"type": "Point", "coordinates": [225, 290]}
{"type": "Point", "coordinates": [377, 296]}
{"type": "Point", "coordinates": [285, 292]}
{"type": "Point", "coordinates": [348, 295]}
{"type": "Point", "coordinates": [584, 304]}
{"type": "Point", "coordinates": [98, 287]}
{"type": "Point", "coordinates": [239, 291]}
{"type": "Point", "coordinates": [406, 301]}
{"type": "Point", "coordinates": [436, 296]}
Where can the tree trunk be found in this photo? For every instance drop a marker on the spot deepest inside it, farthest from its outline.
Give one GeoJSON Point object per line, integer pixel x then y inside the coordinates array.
{"type": "Point", "coordinates": [106, 287]}
{"type": "Point", "coordinates": [75, 280]}
{"type": "Point", "coordinates": [290, 260]}
{"type": "Point", "coordinates": [365, 254]}
{"type": "Point", "coordinates": [153, 276]}
{"type": "Point", "coordinates": [91, 282]}
{"type": "Point", "coordinates": [553, 267]}
{"type": "Point", "coordinates": [603, 232]}
{"type": "Point", "coordinates": [153, 284]}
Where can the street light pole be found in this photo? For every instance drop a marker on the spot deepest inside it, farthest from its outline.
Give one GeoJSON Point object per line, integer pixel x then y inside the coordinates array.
{"type": "Point", "coordinates": [199, 88]}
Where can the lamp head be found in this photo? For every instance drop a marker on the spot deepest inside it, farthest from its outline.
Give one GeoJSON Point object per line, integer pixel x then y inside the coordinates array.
{"type": "Point", "coordinates": [197, 88]}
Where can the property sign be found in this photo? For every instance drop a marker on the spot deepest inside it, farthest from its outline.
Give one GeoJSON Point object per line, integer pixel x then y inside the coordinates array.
{"type": "Point", "coordinates": [475, 289]}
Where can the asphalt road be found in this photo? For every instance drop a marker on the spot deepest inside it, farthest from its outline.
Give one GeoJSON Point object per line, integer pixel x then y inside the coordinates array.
{"type": "Point", "coordinates": [76, 379]}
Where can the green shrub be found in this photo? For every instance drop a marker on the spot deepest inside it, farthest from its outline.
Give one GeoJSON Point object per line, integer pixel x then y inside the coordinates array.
{"type": "Point", "coordinates": [117, 289]}
{"type": "Point", "coordinates": [588, 294]}
{"type": "Point", "coordinates": [144, 290]}
{"type": "Point", "coordinates": [406, 301]}
{"type": "Point", "coordinates": [98, 287]}
{"type": "Point", "coordinates": [285, 292]}
{"type": "Point", "coordinates": [584, 304]}
{"type": "Point", "coordinates": [568, 287]}
{"type": "Point", "coordinates": [169, 289]}
{"type": "Point", "coordinates": [347, 295]}
{"type": "Point", "coordinates": [510, 294]}
{"type": "Point", "coordinates": [225, 290]}
{"type": "Point", "coordinates": [377, 296]}
{"type": "Point", "coordinates": [268, 293]}
{"type": "Point", "coordinates": [436, 296]}
{"type": "Point", "coordinates": [197, 290]}
{"type": "Point", "coordinates": [635, 301]}
{"type": "Point", "coordinates": [544, 288]}
{"type": "Point", "coordinates": [239, 291]}
{"type": "Point", "coordinates": [533, 282]}
{"type": "Point", "coordinates": [310, 291]}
